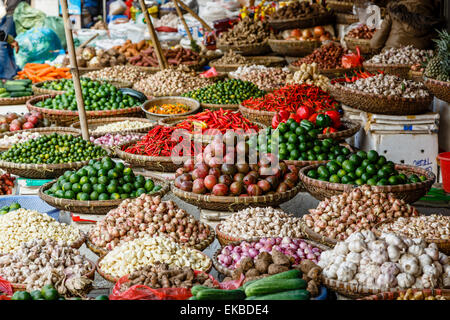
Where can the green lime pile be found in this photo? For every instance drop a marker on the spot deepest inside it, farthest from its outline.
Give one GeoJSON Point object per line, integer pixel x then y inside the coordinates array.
{"type": "Point", "coordinates": [47, 292]}
{"type": "Point", "coordinates": [363, 168]}
{"type": "Point", "coordinates": [13, 206]}
{"type": "Point", "coordinates": [298, 143]}
{"type": "Point", "coordinates": [101, 180]}
{"type": "Point", "coordinates": [52, 149]}
{"type": "Point", "coordinates": [226, 92]}
{"type": "Point", "coordinates": [96, 96]}
{"type": "Point", "coordinates": [59, 85]}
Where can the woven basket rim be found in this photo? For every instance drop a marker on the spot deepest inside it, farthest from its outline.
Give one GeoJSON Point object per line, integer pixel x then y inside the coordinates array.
{"type": "Point", "coordinates": [386, 65]}
{"type": "Point", "coordinates": [436, 82]}
{"type": "Point", "coordinates": [323, 15]}
{"type": "Point", "coordinates": [100, 121]}
{"type": "Point", "coordinates": [287, 41]}
{"type": "Point", "coordinates": [126, 156]}
{"type": "Point", "coordinates": [15, 100]}
{"type": "Point", "coordinates": [235, 47]}
{"type": "Point", "coordinates": [192, 110]}
{"type": "Point", "coordinates": [382, 295]}
{"type": "Point", "coordinates": [296, 68]}
{"type": "Point", "coordinates": [42, 129]}
{"type": "Point", "coordinates": [252, 60]}
{"type": "Point", "coordinates": [310, 234]}
{"type": "Point", "coordinates": [218, 106]}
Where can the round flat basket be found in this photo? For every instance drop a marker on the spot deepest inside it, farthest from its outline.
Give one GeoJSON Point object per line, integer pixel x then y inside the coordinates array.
{"type": "Point", "coordinates": [212, 106]}
{"type": "Point", "coordinates": [407, 192]}
{"type": "Point", "coordinates": [314, 236]}
{"type": "Point", "coordinates": [268, 61]}
{"type": "Point", "coordinates": [160, 164]}
{"type": "Point", "coordinates": [346, 18]}
{"type": "Point", "coordinates": [41, 131]}
{"type": "Point", "coordinates": [329, 73]}
{"type": "Point", "coordinates": [401, 70]}
{"type": "Point", "coordinates": [340, 6]}
{"type": "Point", "coordinates": [150, 70]}
{"type": "Point", "coordinates": [39, 90]}
{"type": "Point", "coordinates": [350, 290]}
{"type": "Point", "coordinates": [263, 117]}
{"type": "Point", "coordinates": [193, 105]}
{"type": "Point", "coordinates": [440, 89]}
{"type": "Point", "coordinates": [443, 244]}
{"type": "Point", "coordinates": [114, 279]}
{"type": "Point", "coordinates": [377, 103]}
{"type": "Point", "coordinates": [228, 272]}
{"type": "Point", "coordinates": [246, 49]}
{"type": "Point", "coordinates": [14, 101]}
{"type": "Point", "coordinates": [393, 295]}
{"type": "Point", "coordinates": [83, 70]}
{"type": "Point", "coordinates": [91, 207]}
{"type": "Point", "coordinates": [302, 23]}
{"type": "Point", "coordinates": [223, 238]}
{"type": "Point", "coordinates": [67, 117]}
{"type": "Point", "coordinates": [363, 44]}
{"type": "Point", "coordinates": [293, 48]}
{"type": "Point", "coordinates": [233, 204]}
{"type": "Point", "coordinates": [94, 123]}
{"type": "Point", "coordinates": [348, 129]}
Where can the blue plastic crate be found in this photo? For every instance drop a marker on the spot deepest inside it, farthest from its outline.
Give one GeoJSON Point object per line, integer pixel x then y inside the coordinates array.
{"type": "Point", "coordinates": [31, 203]}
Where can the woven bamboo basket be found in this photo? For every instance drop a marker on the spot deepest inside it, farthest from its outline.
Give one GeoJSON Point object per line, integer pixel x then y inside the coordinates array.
{"type": "Point", "coordinates": [329, 73]}
{"type": "Point", "coordinates": [152, 70]}
{"type": "Point", "coordinates": [401, 70]}
{"type": "Point", "coordinates": [363, 44]}
{"type": "Point", "coordinates": [94, 123]}
{"type": "Point", "coordinates": [42, 131]}
{"type": "Point", "coordinates": [314, 236]}
{"type": "Point", "coordinates": [440, 89]}
{"type": "Point", "coordinates": [377, 103]}
{"type": "Point", "coordinates": [114, 279]}
{"type": "Point", "coordinates": [84, 70]}
{"type": "Point", "coordinates": [346, 18]}
{"type": "Point", "coordinates": [67, 117]}
{"type": "Point", "coordinates": [91, 207]}
{"type": "Point", "coordinates": [193, 104]}
{"type": "Point", "coordinates": [293, 48]}
{"type": "Point", "coordinates": [416, 76]}
{"type": "Point", "coordinates": [232, 204]}
{"type": "Point", "coordinates": [393, 295]}
{"type": "Point", "coordinates": [228, 272]}
{"type": "Point", "coordinates": [340, 6]}
{"type": "Point", "coordinates": [255, 49]}
{"type": "Point", "coordinates": [160, 164]}
{"type": "Point", "coordinates": [213, 106]}
{"type": "Point", "coordinates": [14, 101]}
{"type": "Point", "coordinates": [268, 61]}
{"type": "Point", "coordinates": [407, 192]}
{"type": "Point", "coordinates": [38, 90]}
{"type": "Point", "coordinates": [443, 244]}
{"type": "Point", "coordinates": [302, 23]}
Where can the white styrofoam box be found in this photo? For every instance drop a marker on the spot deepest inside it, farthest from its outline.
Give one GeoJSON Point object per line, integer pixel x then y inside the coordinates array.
{"type": "Point", "coordinates": [444, 127]}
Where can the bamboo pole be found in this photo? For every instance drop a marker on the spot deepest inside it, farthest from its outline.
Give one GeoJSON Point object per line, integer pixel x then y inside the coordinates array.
{"type": "Point", "coordinates": [186, 27]}
{"type": "Point", "coordinates": [84, 44]}
{"type": "Point", "coordinates": [196, 16]}
{"type": "Point", "coordinates": [74, 71]}
{"type": "Point", "coordinates": [156, 44]}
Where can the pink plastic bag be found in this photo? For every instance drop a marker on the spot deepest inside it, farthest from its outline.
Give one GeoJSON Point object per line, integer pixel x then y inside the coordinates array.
{"type": "Point", "coordinates": [5, 287]}
{"type": "Point", "coordinates": [211, 72]}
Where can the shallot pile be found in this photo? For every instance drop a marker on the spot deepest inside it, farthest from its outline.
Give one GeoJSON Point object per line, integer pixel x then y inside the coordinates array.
{"type": "Point", "coordinates": [340, 216]}
{"type": "Point", "coordinates": [117, 73]}
{"type": "Point", "coordinates": [266, 78]}
{"type": "Point", "coordinates": [111, 140]}
{"type": "Point", "coordinates": [404, 55]}
{"type": "Point", "coordinates": [120, 126]}
{"type": "Point", "coordinates": [19, 137]}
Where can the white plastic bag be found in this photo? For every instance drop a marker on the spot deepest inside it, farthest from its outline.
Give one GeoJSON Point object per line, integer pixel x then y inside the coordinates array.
{"type": "Point", "coordinates": [117, 7]}
{"type": "Point", "coordinates": [213, 11]}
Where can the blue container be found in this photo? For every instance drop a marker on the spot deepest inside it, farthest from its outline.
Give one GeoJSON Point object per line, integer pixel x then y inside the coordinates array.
{"type": "Point", "coordinates": [31, 203]}
{"type": "Point", "coordinates": [322, 294]}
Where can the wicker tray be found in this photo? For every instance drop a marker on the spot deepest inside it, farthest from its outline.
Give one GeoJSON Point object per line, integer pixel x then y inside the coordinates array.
{"type": "Point", "coordinates": [407, 192]}
{"type": "Point", "coordinates": [212, 106]}
{"type": "Point", "coordinates": [268, 61]}
{"type": "Point", "coordinates": [14, 101]}
{"type": "Point", "coordinates": [91, 207]}
{"type": "Point", "coordinates": [302, 23]}
{"type": "Point", "coordinates": [340, 6]}
{"type": "Point", "coordinates": [443, 244]}
{"type": "Point", "coordinates": [160, 164]}
{"type": "Point", "coordinates": [346, 18]}
{"type": "Point", "coordinates": [193, 104]}
{"type": "Point", "coordinates": [293, 48]}
{"type": "Point", "coordinates": [440, 89]}
{"type": "Point", "coordinates": [38, 90]}
{"type": "Point", "coordinates": [314, 236]}
{"type": "Point", "coordinates": [401, 70]}
{"type": "Point", "coordinates": [114, 279]}
{"type": "Point", "coordinates": [377, 103]}
{"type": "Point", "coordinates": [246, 49]}
{"type": "Point", "coordinates": [233, 204]}
{"type": "Point", "coordinates": [84, 70]}
{"type": "Point", "coordinates": [94, 123]}
{"type": "Point", "coordinates": [67, 117]}
{"type": "Point", "coordinates": [228, 272]}
{"type": "Point", "coordinates": [363, 44]}
{"type": "Point", "coordinates": [393, 295]}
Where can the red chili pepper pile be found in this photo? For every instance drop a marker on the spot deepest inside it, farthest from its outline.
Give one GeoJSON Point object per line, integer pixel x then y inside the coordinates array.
{"type": "Point", "coordinates": [354, 76]}
{"type": "Point", "coordinates": [6, 184]}
{"type": "Point", "coordinates": [157, 142]}
{"type": "Point", "coordinates": [292, 97]}
{"type": "Point", "coordinates": [221, 120]}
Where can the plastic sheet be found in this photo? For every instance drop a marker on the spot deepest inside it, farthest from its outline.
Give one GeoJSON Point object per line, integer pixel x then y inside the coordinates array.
{"type": "Point", "coordinates": [26, 17]}
{"type": "Point", "coordinates": [5, 287]}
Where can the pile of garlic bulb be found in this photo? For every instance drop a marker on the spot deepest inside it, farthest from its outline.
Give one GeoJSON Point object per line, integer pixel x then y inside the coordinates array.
{"type": "Point", "coordinates": [386, 262]}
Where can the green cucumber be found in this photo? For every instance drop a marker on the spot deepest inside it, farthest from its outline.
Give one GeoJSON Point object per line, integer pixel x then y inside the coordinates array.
{"type": "Point", "coordinates": [284, 295]}
{"type": "Point", "coordinates": [274, 285]}
{"type": "Point", "coordinates": [21, 93]}
{"type": "Point", "coordinates": [291, 274]}
{"type": "Point", "coordinates": [192, 298]}
{"type": "Point", "coordinates": [2, 90]}
{"type": "Point", "coordinates": [12, 88]}
{"type": "Point", "coordinates": [219, 294]}
{"type": "Point", "coordinates": [25, 82]}
{"type": "Point", "coordinates": [5, 95]}
{"type": "Point", "coordinates": [197, 289]}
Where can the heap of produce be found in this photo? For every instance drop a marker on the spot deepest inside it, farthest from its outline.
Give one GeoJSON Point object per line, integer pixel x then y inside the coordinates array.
{"type": "Point", "coordinates": [298, 10]}
{"type": "Point", "coordinates": [361, 32]}
{"type": "Point", "coordinates": [246, 32]}
{"type": "Point", "coordinates": [15, 88]}
{"type": "Point", "coordinates": [161, 275]}
{"type": "Point", "coordinates": [145, 216]}
{"type": "Point", "coordinates": [13, 206]}
{"type": "Point", "coordinates": [216, 174]}
{"type": "Point", "coordinates": [120, 126]}
{"type": "Point", "coordinates": [51, 149]}
{"type": "Point", "coordinates": [317, 33]}
{"type": "Point", "coordinates": [266, 78]}
{"type": "Point", "coordinates": [47, 262]}
{"type": "Point", "coordinates": [130, 257]}
{"type": "Point", "coordinates": [328, 56]}
{"type": "Point", "coordinates": [363, 168]}
{"type": "Point", "coordinates": [405, 55]}
{"type": "Point", "coordinates": [19, 137]}
{"type": "Point", "coordinates": [117, 73]}
{"type": "Point", "coordinates": [21, 225]}
{"type": "Point", "coordinates": [426, 227]}
{"type": "Point", "coordinates": [169, 108]}
{"type": "Point", "coordinates": [175, 57]}
{"type": "Point", "coordinates": [308, 74]}
{"type": "Point", "coordinates": [386, 263]}
{"type": "Point", "coordinates": [390, 85]}
{"type": "Point", "coordinates": [101, 180]}
{"type": "Point", "coordinates": [170, 82]}
{"type": "Point", "coordinates": [438, 67]}
{"type": "Point", "coordinates": [90, 57]}
{"type": "Point", "coordinates": [226, 92]}
{"type": "Point", "coordinates": [59, 85]}
{"type": "Point", "coordinates": [37, 72]}
{"type": "Point", "coordinates": [49, 293]}
{"type": "Point", "coordinates": [12, 121]}
{"type": "Point", "coordinates": [111, 140]}
{"type": "Point", "coordinates": [170, 20]}
{"type": "Point", "coordinates": [130, 49]}
{"type": "Point", "coordinates": [219, 120]}
{"type": "Point", "coordinates": [6, 184]}
{"type": "Point", "coordinates": [418, 295]}
{"type": "Point", "coordinates": [261, 222]}
{"type": "Point", "coordinates": [360, 209]}
{"type": "Point", "coordinates": [232, 57]}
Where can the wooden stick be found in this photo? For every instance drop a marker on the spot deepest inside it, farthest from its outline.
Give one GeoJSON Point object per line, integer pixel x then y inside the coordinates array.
{"type": "Point", "coordinates": [156, 44]}
{"type": "Point", "coordinates": [74, 71]}
{"type": "Point", "coordinates": [186, 27]}
{"type": "Point", "coordinates": [84, 44]}
{"type": "Point", "coordinates": [204, 24]}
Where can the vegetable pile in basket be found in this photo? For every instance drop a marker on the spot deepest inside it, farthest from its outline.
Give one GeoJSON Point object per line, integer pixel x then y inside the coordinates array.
{"type": "Point", "coordinates": [169, 108]}
{"type": "Point", "coordinates": [405, 55]}
{"type": "Point", "coordinates": [6, 184]}
{"type": "Point", "coordinates": [246, 32]}
{"type": "Point", "coordinates": [361, 32]}
{"type": "Point", "coordinates": [37, 72]}
{"type": "Point", "coordinates": [266, 78]}
{"type": "Point", "coordinates": [12, 121]}
{"type": "Point", "coordinates": [298, 9]}
{"type": "Point", "coordinates": [15, 88]}
{"type": "Point", "coordinates": [426, 227]}
{"type": "Point", "coordinates": [175, 57]}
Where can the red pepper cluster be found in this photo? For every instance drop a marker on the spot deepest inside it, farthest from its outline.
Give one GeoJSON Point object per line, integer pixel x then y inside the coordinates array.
{"type": "Point", "coordinates": [157, 143]}
{"type": "Point", "coordinates": [355, 76]}
{"type": "Point", "coordinates": [221, 120]}
{"type": "Point", "coordinates": [6, 184]}
{"type": "Point", "coordinates": [304, 113]}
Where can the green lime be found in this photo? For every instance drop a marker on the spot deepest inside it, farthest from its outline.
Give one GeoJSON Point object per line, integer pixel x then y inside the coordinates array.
{"type": "Point", "coordinates": [359, 171]}
{"type": "Point", "coordinates": [323, 172]}
{"type": "Point", "coordinates": [394, 180]}
{"type": "Point", "coordinates": [107, 164]}
{"type": "Point", "coordinates": [127, 187]}
{"type": "Point", "coordinates": [21, 295]}
{"type": "Point", "coordinates": [84, 179]}
{"type": "Point", "coordinates": [82, 172]}
{"type": "Point", "coordinates": [67, 174]}
{"type": "Point", "coordinates": [403, 177]}
{"type": "Point", "coordinates": [372, 156]}
{"type": "Point", "coordinates": [365, 176]}
{"type": "Point", "coordinates": [346, 179]}
{"type": "Point", "coordinates": [102, 172]}
{"type": "Point", "coordinates": [335, 179]}
{"type": "Point", "coordinates": [112, 174]}
{"type": "Point", "coordinates": [345, 151]}
{"type": "Point", "coordinates": [69, 194]}
{"type": "Point", "coordinates": [355, 159]}
{"type": "Point", "coordinates": [312, 174]}
{"type": "Point", "coordinates": [124, 195]}
{"type": "Point", "coordinates": [413, 178]}
{"type": "Point", "coordinates": [84, 196]}
{"type": "Point", "coordinates": [383, 182]}
{"type": "Point", "coordinates": [149, 185]}
{"type": "Point", "coordinates": [115, 196]}
{"type": "Point", "coordinates": [341, 173]}
{"type": "Point", "coordinates": [74, 178]}
{"type": "Point", "coordinates": [67, 186]}
{"type": "Point", "coordinates": [76, 187]}
{"type": "Point", "coordinates": [352, 176]}
{"type": "Point", "coordinates": [372, 181]}
{"type": "Point", "coordinates": [333, 167]}
{"type": "Point", "coordinates": [50, 294]}
{"type": "Point", "coordinates": [362, 154]}
{"type": "Point", "coordinates": [381, 160]}
{"type": "Point", "coordinates": [14, 206]}
{"type": "Point", "coordinates": [111, 188]}
{"type": "Point", "coordinates": [120, 166]}
{"type": "Point", "coordinates": [86, 188]}
{"type": "Point", "coordinates": [140, 191]}
{"type": "Point", "coordinates": [371, 169]}
{"type": "Point", "coordinates": [36, 295]}
{"type": "Point", "coordinates": [102, 297]}
{"type": "Point", "coordinates": [340, 159]}
{"type": "Point", "coordinates": [59, 194]}
{"type": "Point", "coordinates": [423, 178]}
{"type": "Point", "coordinates": [382, 173]}
{"type": "Point", "coordinates": [348, 166]}
{"type": "Point", "coordinates": [359, 182]}
{"type": "Point", "coordinates": [365, 163]}
{"type": "Point", "coordinates": [103, 180]}
{"type": "Point", "coordinates": [101, 188]}
{"type": "Point", "coordinates": [91, 172]}
{"type": "Point", "coordinates": [103, 196]}
{"type": "Point", "coordinates": [93, 196]}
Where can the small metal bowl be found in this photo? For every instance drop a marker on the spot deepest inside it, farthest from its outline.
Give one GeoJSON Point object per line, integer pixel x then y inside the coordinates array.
{"type": "Point", "coordinates": [193, 104]}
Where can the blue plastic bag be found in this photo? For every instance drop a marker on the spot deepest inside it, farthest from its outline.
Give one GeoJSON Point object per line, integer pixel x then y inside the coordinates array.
{"type": "Point", "coordinates": [37, 45]}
